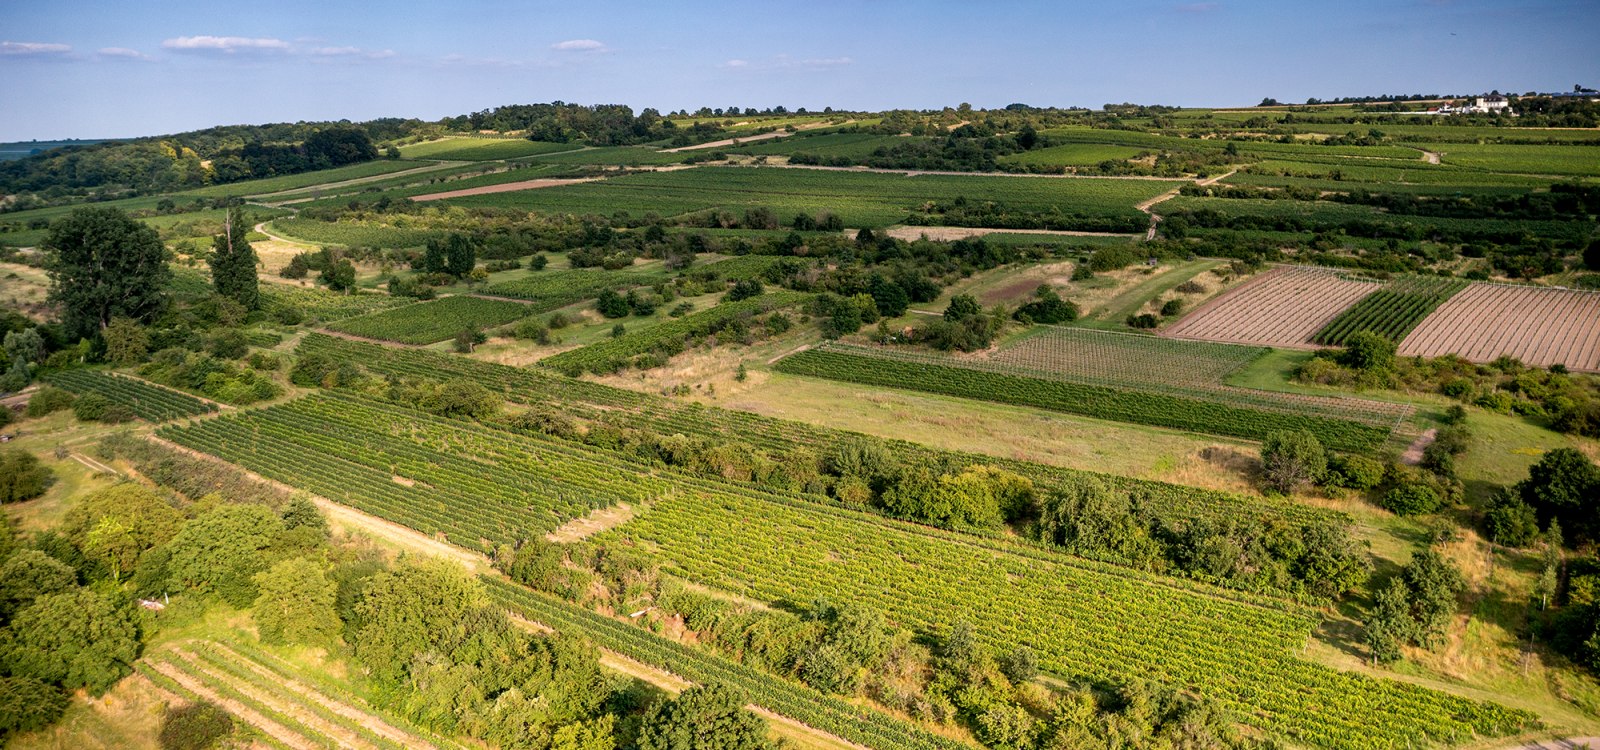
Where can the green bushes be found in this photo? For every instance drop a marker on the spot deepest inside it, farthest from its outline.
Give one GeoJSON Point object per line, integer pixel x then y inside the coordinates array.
{"type": "Point", "coordinates": [434, 321]}
{"type": "Point", "coordinates": [1410, 498]}
{"type": "Point", "coordinates": [652, 345]}
{"type": "Point", "coordinates": [195, 726]}
{"type": "Point", "coordinates": [22, 477]}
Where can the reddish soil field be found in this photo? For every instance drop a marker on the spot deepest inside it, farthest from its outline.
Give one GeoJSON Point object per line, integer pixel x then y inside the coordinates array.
{"type": "Point", "coordinates": [1283, 307]}
{"type": "Point", "coordinates": [1539, 326]}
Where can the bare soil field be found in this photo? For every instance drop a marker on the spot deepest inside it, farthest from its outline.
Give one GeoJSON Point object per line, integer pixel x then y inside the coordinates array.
{"type": "Point", "coordinates": [509, 187]}
{"type": "Point", "coordinates": [1283, 307]}
{"type": "Point", "coordinates": [1538, 325]}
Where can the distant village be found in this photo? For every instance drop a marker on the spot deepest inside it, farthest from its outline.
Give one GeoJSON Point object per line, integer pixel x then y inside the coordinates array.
{"type": "Point", "coordinates": [1494, 103]}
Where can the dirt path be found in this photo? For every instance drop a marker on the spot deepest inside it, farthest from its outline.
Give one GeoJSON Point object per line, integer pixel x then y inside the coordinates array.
{"type": "Point", "coordinates": [371, 722]}
{"type": "Point", "coordinates": [595, 522]}
{"type": "Point", "coordinates": [363, 180]}
{"type": "Point", "coordinates": [1430, 157]}
{"type": "Point", "coordinates": [93, 465]}
{"type": "Point", "coordinates": [508, 187]}
{"type": "Point", "coordinates": [1413, 453]}
{"type": "Point", "coordinates": [916, 172]}
{"type": "Point", "coordinates": [1559, 743]}
{"type": "Point", "coordinates": [248, 715]}
{"type": "Point", "coordinates": [748, 139]}
{"type": "Point", "coordinates": [961, 233]}
{"type": "Point", "coordinates": [262, 228]}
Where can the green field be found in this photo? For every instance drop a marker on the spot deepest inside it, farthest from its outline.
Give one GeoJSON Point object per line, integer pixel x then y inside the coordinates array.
{"type": "Point", "coordinates": [319, 304]}
{"type": "Point", "coordinates": [550, 289]}
{"type": "Point", "coordinates": [306, 179]}
{"type": "Point", "coordinates": [1391, 311]}
{"type": "Point", "coordinates": [851, 145]}
{"type": "Point", "coordinates": [352, 233]}
{"type": "Point", "coordinates": [481, 149]}
{"type": "Point", "coordinates": [1524, 159]}
{"type": "Point", "coordinates": [1074, 155]}
{"type": "Point", "coordinates": [859, 198]}
{"type": "Point", "coordinates": [667, 338]}
{"type": "Point", "coordinates": [614, 156]}
{"type": "Point", "coordinates": [481, 486]}
{"type": "Point", "coordinates": [436, 320]}
{"type": "Point", "coordinates": [1216, 414]}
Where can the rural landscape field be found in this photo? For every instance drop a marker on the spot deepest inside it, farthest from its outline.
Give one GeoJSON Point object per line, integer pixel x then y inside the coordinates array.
{"type": "Point", "coordinates": [1233, 423]}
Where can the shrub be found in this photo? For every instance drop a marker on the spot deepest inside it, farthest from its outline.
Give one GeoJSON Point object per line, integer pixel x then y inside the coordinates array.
{"type": "Point", "coordinates": [21, 476]}
{"type": "Point", "coordinates": [1411, 498]}
{"type": "Point", "coordinates": [1171, 308]}
{"type": "Point", "coordinates": [1293, 459]}
{"type": "Point", "coordinates": [1143, 321]}
{"type": "Point", "coordinates": [90, 407]}
{"type": "Point", "coordinates": [27, 704]}
{"type": "Point", "coordinates": [1367, 351]}
{"type": "Point", "coordinates": [48, 400]}
{"type": "Point", "coordinates": [195, 726]}
{"type": "Point", "coordinates": [1355, 472]}
{"type": "Point", "coordinates": [1510, 521]}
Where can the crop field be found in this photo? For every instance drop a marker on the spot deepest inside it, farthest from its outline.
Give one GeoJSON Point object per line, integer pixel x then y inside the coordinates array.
{"type": "Point", "coordinates": [1391, 311]}
{"type": "Point", "coordinates": [740, 267]}
{"type": "Point", "coordinates": [305, 179]}
{"type": "Point", "coordinates": [1213, 414]}
{"type": "Point", "coordinates": [610, 355]}
{"type": "Point", "coordinates": [434, 320]}
{"type": "Point", "coordinates": [316, 303]}
{"type": "Point", "coordinates": [502, 486]}
{"type": "Point", "coordinates": [1406, 177]}
{"type": "Point", "coordinates": [353, 233]}
{"type": "Point", "coordinates": [147, 401]}
{"type": "Point", "coordinates": [481, 149]}
{"type": "Point", "coordinates": [1074, 155]}
{"type": "Point", "coordinates": [437, 172]}
{"type": "Point", "coordinates": [613, 156]}
{"type": "Point", "coordinates": [290, 709]}
{"type": "Point", "coordinates": [1246, 148]}
{"type": "Point", "coordinates": [473, 176]}
{"type": "Point", "coordinates": [859, 198]}
{"type": "Point", "coordinates": [1523, 159]}
{"type": "Point", "coordinates": [853, 145]}
{"type": "Point", "coordinates": [1311, 215]}
{"type": "Point", "coordinates": [1284, 307]}
{"type": "Point", "coordinates": [1540, 326]}
{"type": "Point", "coordinates": [1239, 654]}
{"type": "Point", "coordinates": [548, 290]}
{"type": "Point", "coordinates": [585, 400]}
{"type": "Point", "coordinates": [790, 699]}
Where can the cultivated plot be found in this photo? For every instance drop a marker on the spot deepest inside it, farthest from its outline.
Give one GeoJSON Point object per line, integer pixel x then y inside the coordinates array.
{"type": "Point", "coordinates": [1539, 326]}
{"type": "Point", "coordinates": [1285, 307]}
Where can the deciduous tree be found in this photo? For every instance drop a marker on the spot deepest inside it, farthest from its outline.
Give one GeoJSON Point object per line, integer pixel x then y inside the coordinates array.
{"type": "Point", "coordinates": [104, 265]}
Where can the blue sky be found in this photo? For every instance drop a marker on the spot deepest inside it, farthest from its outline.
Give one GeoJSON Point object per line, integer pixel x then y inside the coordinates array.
{"type": "Point", "coordinates": [106, 69]}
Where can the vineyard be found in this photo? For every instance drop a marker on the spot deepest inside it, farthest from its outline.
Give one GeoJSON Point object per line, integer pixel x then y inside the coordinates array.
{"type": "Point", "coordinates": [1284, 307]}
{"type": "Point", "coordinates": [1192, 369]}
{"type": "Point", "coordinates": [481, 149]}
{"type": "Point", "coordinates": [1241, 655]}
{"type": "Point", "coordinates": [668, 338]}
{"type": "Point", "coordinates": [858, 198]}
{"type": "Point", "coordinates": [549, 290]}
{"type": "Point", "coordinates": [435, 320]}
{"type": "Point", "coordinates": [422, 472]}
{"type": "Point", "coordinates": [867, 367]}
{"type": "Point", "coordinates": [318, 304]}
{"type": "Point", "coordinates": [287, 708]}
{"type": "Point", "coordinates": [353, 233]}
{"type": "Point", "coordinates": [147, 401]}
{"type": "Point", "coordinates": [791, 699]}
{"type": "Point", "coordinates": [585, 400]}
{"type": "Point", "coordinates": [1391, 311]}
{"type": "Point", "coordinates": [479, 486]}
{"type": "Point", "coordinates": [1540, 326]}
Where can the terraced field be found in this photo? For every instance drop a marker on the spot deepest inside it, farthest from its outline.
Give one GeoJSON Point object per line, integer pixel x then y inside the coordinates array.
{"type": "Point", "coordinates": [1284, 307]}
{"type": "Point", "coordinates": [1540, 326]}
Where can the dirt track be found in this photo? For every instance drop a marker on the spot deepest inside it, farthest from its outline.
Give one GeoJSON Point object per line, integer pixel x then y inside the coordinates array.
{"type": "Point", "coordinates": [509, 187]}
{"type": "Point", "coordinates": [961, 233]}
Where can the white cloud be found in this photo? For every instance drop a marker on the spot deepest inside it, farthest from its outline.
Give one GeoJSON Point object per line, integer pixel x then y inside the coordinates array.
{"type": "Point", "coordinates": [33, 48]}
{"type": "Point", "coordinates": [225, 44]}
{"type": "Point", "coordinates": [123, 52]}
{"type": "Point", "coordinates": [826, 62]}
{"type": "Point", "coordinates": [736, 63]}
{"type": "Point", "coordinates": [336, 51]}
{"type": "Point", "coordinates": [579, 45]}
{"type": "Point", "coordinates": [787, 62]}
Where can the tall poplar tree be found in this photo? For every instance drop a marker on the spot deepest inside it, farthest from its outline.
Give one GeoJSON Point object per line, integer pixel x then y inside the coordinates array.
{"type": "Point", "coordinates": [233, 263]}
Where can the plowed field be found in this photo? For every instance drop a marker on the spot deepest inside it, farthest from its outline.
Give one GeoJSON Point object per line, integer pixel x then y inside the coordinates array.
{"type": "Point", "coordinates": [1284, 307]}
{"type": "Point", "coordinates": [1539, 326]}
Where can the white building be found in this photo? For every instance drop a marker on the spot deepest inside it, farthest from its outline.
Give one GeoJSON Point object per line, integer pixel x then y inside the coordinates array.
{"type": "Point", "coordinates": [1490, 103]}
